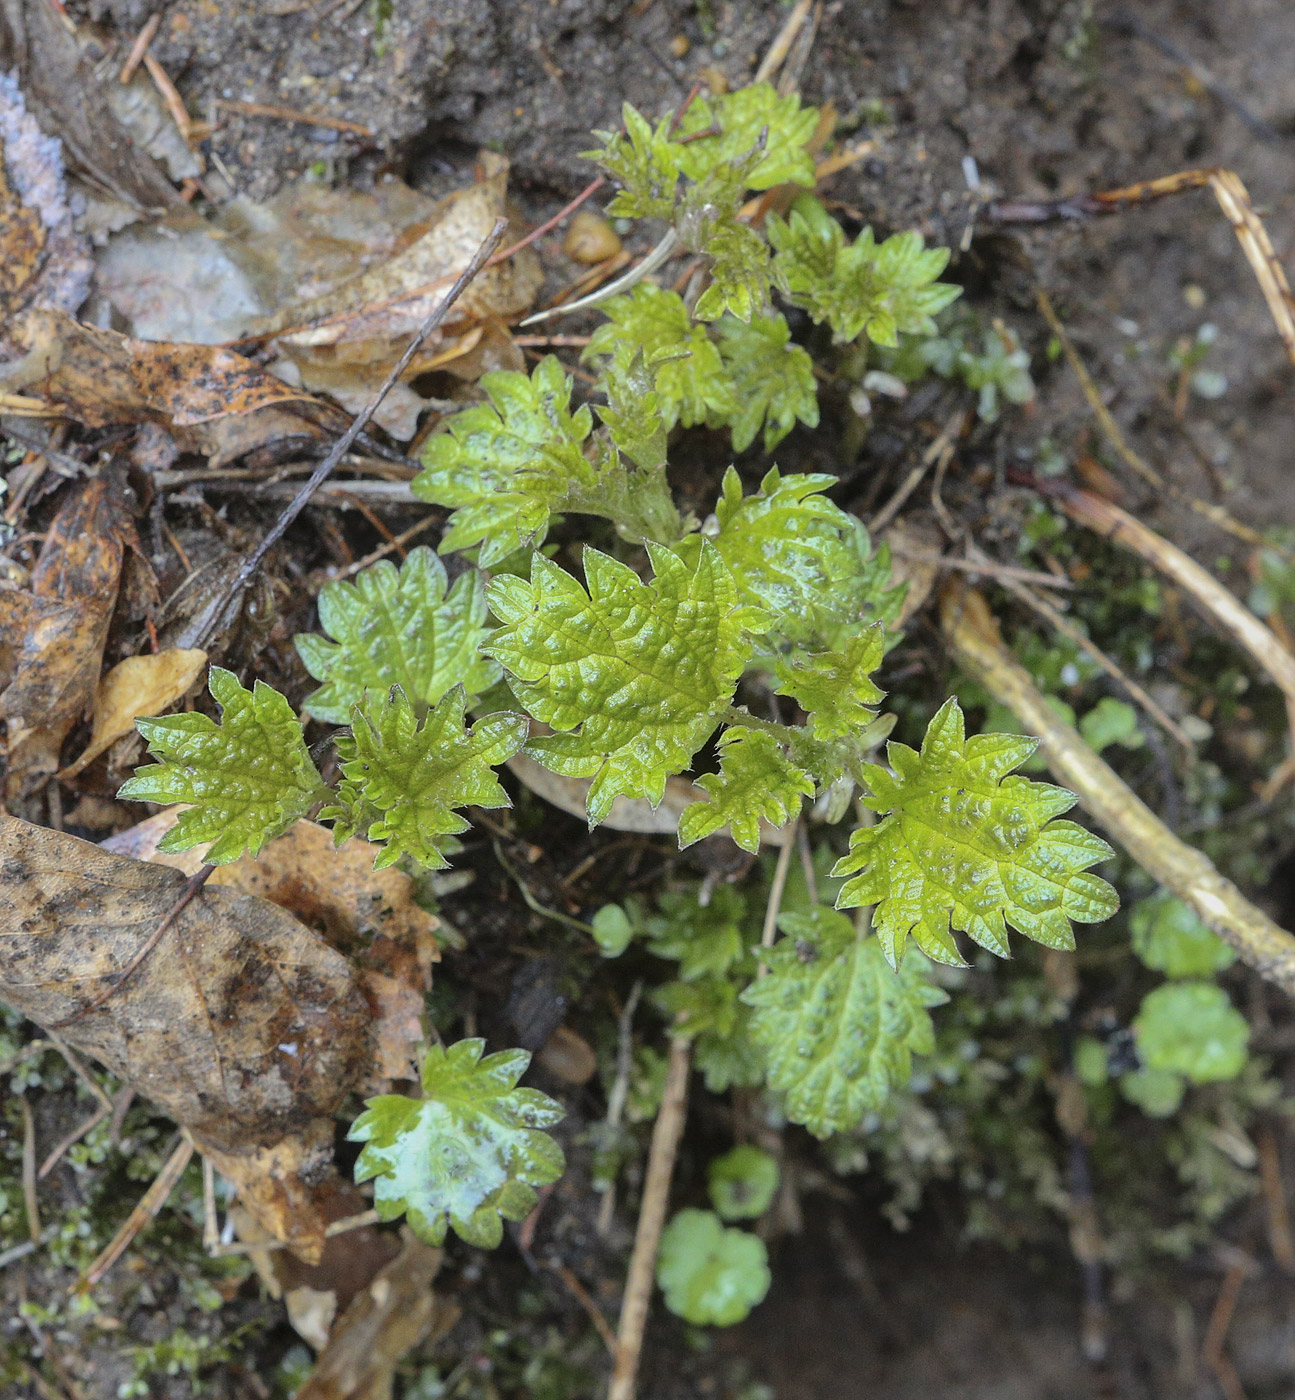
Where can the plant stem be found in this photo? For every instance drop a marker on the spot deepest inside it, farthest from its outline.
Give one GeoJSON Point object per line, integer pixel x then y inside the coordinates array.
{"type": "Point", "coordinates": [666, 1133]}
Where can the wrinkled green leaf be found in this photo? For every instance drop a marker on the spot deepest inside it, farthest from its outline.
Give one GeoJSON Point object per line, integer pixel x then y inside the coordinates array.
{"type": "Point", "coordinates": [692, 383]}
{"type": "Point", "coordinates": [711, 1276]}
{"type": "Point", "coordinates": [632, 676]}
{"type": "Point", "coordinates": [866, 287]}
{"type": "Point", "coordinates": [404, 776]}
{"type": "Point", "coordinates": [644, 161]}
{"type": "Point", "coordinates": [965, 845]}
{"type": "Point", "coordinates": [705, 939]}
{"type": "Point", "coordinates": [742, 117]}
{"type": "Point", "coordinates": [469, 1154]}
{"type": "Point", "coordinates": [756, 780]}
{"type": "Point", "coordinates": [835, 688]}
{"type": "Point", "coordinates": [838, 1025]}
{"type": "Point", "coordinates": [248, 778]}
{"type": "Point", "coordinates": [773, 380]}
{"type": "Point", "coordinates": [505, 466]}
{"type": "Point", "coordinates": [398, 627]}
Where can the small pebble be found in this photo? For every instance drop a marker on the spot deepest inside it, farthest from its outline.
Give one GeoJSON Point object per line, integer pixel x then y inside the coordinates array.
{"type": "Point", "coordinates": [590, 238]}
{"type": "Point", "coordinates": [1194, 296]}
{"type": "Point", "coordinates": [680, 45]}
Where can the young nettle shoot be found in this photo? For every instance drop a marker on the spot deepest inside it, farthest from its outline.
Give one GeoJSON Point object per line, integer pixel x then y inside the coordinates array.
{"type": "Point", "coordinates": [620, 670]}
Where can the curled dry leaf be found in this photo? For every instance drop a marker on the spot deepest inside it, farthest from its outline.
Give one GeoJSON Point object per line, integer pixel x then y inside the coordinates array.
{"type": "Point", "coordinates": [43, 260]}
{"type": "Point", "coordinates": [242, 1023]}
{"type": "Point", "coordinates": [215, 401]}
{"type": "Point", "coordinates": [140, 685]}
{"type": "Point", "coordinates": [54, 632]}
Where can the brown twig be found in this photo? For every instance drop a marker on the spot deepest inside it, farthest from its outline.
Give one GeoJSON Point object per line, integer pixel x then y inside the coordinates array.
{"type": "Point", "coordinates": [783, 41]}
{"type": "Point", "coordinates": [30, 1203]}
{"type": "Point", "coordinates": [941, 449]}
{"type": "Point", "coordinates": [1218, 604]}
{"type": "Point", "coordinates": [581, 1294]}
{"type": "Point", "coordinates": [666, 1133]}
{"type": "Point", "coordinates": [400, 540]}
{"type": "Point", "coordinates": [1280, 1240]}
{"type": "Point", "coordinates": [1126, 682]}
{"type": "Point", "coordinates": [288, 114]}
{"type": "Point", "coordinates": [140, 47]}
{"type": "Point", "coordinates": [167, 91]}
{"type": "Point", "coordinates": [619, 1095]}
{"type": "Point", "coordinates": [1216, 1333]}
{"type": "Point", "coordinates": [343, 445]}
{"type": "Point", "coordinates": [150, 1203]}
{"type": "Point", "coordinates": [589, 190]}
{"type": "Point", "coordinates": [973, 636]}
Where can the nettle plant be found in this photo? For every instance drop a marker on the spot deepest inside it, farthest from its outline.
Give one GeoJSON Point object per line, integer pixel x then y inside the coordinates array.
{"type": "Point", "coordinates": [622, 671]}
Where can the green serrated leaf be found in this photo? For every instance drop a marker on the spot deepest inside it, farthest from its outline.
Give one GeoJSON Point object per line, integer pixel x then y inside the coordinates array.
{"type": "Point", "coordinates": [835, 688]}
{"type": "Point", "coordinates": [248, 778]}
{"type": "Point", "coordinates": [1169, 937]}
{"type": "Point", "coordinates": [404, 776]}
{"type": "Point", "coordinates": [965, 845]}
{"type": "Point", "coordinates": [740, 272]}
{"type": "Point", "coordinates": [645, 162]}
{"type": "Point", "coordinates": [756, 780]}
{"type": "Point", "coordinates": [773, 379]}
{"type": "Point", "coordinates": [633, 413]}
{"type": "Point", "coordinates": [398, 627]}
{"type": "Point", "coordinates": [469, 1154]}
{"type": "Point", "coordinates": [743, 117]}
{"type": "Point", "coordinates": [711, 1276]}
{"type": "Point", "coordinates": [1192, 1029]}
{"type": "Point", "coordinates": [802, 559]}
{"type": "Point", "coordinates": [633, 676]}
{"type": "Point", "coordinates": [505, 466]}
{"type": "Point", "coordinates": [866, 287]}
{"type": "Point", "coordinates": [742, 1183]}
{"type": "Point", "coordinates": [838, 1025]}
{"type": "Point", "coordinates": [692, 383]}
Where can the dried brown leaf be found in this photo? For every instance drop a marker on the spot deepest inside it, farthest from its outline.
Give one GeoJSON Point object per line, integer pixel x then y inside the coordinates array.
{"type": "Point", "coordinates": [140, 685]}
{"type": "Point", "coordinates": [242, 1023]}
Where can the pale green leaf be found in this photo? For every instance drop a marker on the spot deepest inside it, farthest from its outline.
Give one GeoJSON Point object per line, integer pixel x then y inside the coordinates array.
{"type": "Point", "coordinates": [692, 383]}
{"type": "Point", "coordinates": [247, 778]}
{"type": "Point", "coordinates": [644, 162]}
{"type": "Point", "coordinates": [405, 776]}
{"type": "Point", "coordinates": [705, 939]}
{"type": "Point", "coordinates": [743, 117]}
{"type": "Point", "coordinates": [398, 627]}
{"type": "Point", "coordinates": [1169, 937]}
{"type": "Point", "coordinates": [773, 379]}
{"type": "Point", "coordinates": [838, 1025]}
{"type": "Point", "coordinates": [505, 466]}
{"type": "Point", "coordinates": [835, 688]}
{"type": "Point", "coordinates": [469, 1154]}
{"type": "Point", "coordinates": [966, 846]}
{"type": "Point", "coordinates": [1157, 1092]}
{"type": "Point", "coordinates": [866, 287]}
{"type": "Point", "coordinates": [756, 780]}
{"type": "Point", "coordinates": [632, 676]}
{"type": "Point", "coordinates": [742, 1183]}
{"type": "Point", "coordinates": [711, 1276]}
{"type": "Point", "coordinates": [1192, 1029]}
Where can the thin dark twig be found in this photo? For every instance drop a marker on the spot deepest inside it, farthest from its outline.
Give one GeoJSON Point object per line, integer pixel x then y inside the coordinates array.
{"type": "Point", "coordinates": [343, 445]}
{"type": "Point", "coordinates": [191, 887]}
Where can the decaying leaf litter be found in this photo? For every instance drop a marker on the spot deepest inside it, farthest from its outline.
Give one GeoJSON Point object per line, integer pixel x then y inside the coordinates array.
{"type": "Point", "coordinates": [102, 380]}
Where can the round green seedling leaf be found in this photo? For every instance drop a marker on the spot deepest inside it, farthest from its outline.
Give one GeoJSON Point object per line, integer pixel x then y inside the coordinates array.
{"type": "Point", "coordinates": [743, 1182]}
{"type": "Point", "coordinates": [1192, 1029]}
{"type": "Point", "coordinates": [1168, 936]}
{"type": "Point", "coordinates": [612, 930]}
{"type": "Point", "coordinates": [1157, 1092]}
{"type": "Point", "coordinates": [711, 1276]}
